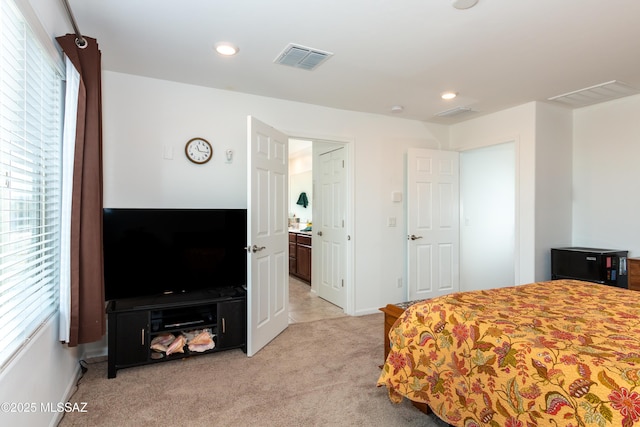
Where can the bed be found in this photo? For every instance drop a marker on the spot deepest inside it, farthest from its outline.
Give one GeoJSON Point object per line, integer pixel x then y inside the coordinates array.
{"type": "Point", "coordinates": [558, 353]}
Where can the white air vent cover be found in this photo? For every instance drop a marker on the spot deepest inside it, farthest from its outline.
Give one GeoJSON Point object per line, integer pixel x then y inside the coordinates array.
{"type": "Point", "coordinates": [455, 112]}
{"type": "Point", "coordinates": [302, 57]}
{"type": "Point", "coordinates": [595, 94]}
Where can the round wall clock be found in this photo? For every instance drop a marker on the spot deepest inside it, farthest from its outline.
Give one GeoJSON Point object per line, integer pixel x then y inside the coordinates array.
{"type": "Point", "coordinates": [198, 150]}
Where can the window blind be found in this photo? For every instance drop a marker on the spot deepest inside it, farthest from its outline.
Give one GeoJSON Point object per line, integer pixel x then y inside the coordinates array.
{"type": "Point", "coordinates": [30, 182]}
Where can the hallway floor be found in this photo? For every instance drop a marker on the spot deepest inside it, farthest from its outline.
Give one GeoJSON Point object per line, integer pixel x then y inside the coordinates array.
{"type": "Point", "coordinates": [305, 306]}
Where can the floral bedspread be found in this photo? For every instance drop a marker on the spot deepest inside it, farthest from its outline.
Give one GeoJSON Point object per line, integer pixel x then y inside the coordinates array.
{"type": "Point", "coordinates": [559, 353]}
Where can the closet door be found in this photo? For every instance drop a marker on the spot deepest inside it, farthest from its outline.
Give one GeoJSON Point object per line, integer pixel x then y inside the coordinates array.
{"type": "Point", "coordinates": [432, 223]}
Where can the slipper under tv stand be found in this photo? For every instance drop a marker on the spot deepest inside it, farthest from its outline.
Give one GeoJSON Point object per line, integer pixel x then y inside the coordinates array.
{"type": "Point", "coordinates": [133, 323]}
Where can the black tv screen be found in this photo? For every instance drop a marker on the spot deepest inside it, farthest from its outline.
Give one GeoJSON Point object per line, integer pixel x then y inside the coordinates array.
{"type": "Point", "coordinates": [152, 252]}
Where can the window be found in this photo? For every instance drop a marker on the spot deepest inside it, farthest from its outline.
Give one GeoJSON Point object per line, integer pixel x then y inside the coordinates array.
{"type": "Point", "coordinates": [30, 182]}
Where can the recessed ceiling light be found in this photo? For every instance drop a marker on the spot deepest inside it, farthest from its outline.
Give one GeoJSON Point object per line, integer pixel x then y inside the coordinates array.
{"type": "Point", "coordinates": [397, 109]}
{"type": "Point", "coordinates": [449, 95]}
{"type": "Point", "coordinates": [226, 49]}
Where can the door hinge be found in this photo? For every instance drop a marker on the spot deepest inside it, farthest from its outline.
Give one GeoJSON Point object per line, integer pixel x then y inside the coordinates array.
{"type": "Point", "coordinates": [342, 282]}
{"type": "Point", "coordinates": [343, 164]}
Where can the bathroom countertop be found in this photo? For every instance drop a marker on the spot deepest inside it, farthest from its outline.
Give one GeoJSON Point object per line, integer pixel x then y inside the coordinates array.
{"type": "Point", "coordinates": [293, 230]}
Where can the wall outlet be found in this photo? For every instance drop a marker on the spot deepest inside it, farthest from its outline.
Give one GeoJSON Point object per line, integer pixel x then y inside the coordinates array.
{"type": "Point", "coordinates": [399, 283]}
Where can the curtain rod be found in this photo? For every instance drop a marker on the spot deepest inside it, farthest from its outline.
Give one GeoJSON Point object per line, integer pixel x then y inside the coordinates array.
{"type": "Point", "coordinates": [80, 41]}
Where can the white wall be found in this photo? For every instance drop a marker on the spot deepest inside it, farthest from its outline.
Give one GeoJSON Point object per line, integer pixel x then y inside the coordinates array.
{"type": "Point", "coordinates": [606, 175]}
{"type": "Point", "coordinates": [543, 137]}
{"type": "Point", "coordinates": [143, 116]}
{"type": "Point", "coordinates": [301, 182]}
{"type": "Point", "coordinates": [518, 125]}
{"type": "Point", "coordinates": [553, 195]}
{"type": "Point", "coordinates": [45, 371]}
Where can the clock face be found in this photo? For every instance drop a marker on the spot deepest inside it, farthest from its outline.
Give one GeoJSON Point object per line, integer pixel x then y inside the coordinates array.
{"type": "Point", "coordinates": [198, 150]}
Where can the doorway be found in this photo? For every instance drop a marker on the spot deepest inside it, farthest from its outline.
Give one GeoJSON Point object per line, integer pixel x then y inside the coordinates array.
{"type": "Point", "coordinates": [269, 237]}
{"type": "Point", "coordinates": [488, 217]}
{"type": "Point", "coordinates": [306, 306]}
{"type": "Point", "coordinates": [306, 163]}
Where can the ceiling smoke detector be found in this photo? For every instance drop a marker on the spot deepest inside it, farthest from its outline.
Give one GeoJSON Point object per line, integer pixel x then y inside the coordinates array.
{"type": "Point", "coordinates": [302, 57]}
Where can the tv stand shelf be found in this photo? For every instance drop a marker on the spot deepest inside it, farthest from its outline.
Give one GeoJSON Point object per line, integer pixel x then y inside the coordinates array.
{"type": "Point", "coordinates": [133, 325]}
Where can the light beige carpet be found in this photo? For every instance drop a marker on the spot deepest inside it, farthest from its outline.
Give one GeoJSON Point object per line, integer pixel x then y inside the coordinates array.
{"type": "Point", "coordinates": [320, 373]}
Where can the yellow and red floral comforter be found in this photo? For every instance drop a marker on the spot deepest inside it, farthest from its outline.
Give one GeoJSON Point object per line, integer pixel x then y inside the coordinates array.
{"type": "Point", "coordinates": [559, 353]}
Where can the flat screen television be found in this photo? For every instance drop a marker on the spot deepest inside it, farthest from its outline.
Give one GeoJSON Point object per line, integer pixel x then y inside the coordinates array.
{"type": "Point", "coordinates": [150, 253]}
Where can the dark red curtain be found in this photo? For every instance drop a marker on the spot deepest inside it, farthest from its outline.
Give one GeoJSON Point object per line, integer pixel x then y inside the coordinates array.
{"type": "Point", "coordinates": [87, 290]}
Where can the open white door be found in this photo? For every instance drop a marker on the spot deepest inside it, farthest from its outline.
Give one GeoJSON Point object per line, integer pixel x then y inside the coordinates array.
{"type": "Point", "coordinates": [433, 223]}
{"type": "Point", "coordinates": [330, 229]}
{"type": "Point", "coordinates": [268, 258]}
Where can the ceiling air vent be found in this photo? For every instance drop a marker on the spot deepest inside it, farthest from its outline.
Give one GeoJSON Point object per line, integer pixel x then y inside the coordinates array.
{"type": "Point", "coordinates": [595, 94]}
{"type": "Point", "coordinates": [302, 57]}
{"type": "Point", "coordinates": [454, 112]}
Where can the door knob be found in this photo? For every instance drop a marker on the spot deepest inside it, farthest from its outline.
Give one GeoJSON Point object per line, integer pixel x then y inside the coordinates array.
{"type": "Point", "coordinates": [255, 249]}
{"type": "Point", "coordinates": [319, 233]}
{"type": "Point", "coordinates": [414, 237]}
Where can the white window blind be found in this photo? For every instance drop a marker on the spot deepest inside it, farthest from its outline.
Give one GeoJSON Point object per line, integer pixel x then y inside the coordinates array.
{"type": "Point", "coordinates": [30, 183]}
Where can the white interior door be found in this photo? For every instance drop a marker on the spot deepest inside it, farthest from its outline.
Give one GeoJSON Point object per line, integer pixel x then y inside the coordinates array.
{"type": "Point", "coordinates": [330, 236]}
{"type": "Point", "coordinates": [267, 212]}
{"type": "Point", "coordinates": [433, 223]}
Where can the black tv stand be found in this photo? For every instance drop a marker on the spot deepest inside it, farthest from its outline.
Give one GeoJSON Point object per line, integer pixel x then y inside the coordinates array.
{"type": "Point", "coordinates": [134, 323]}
